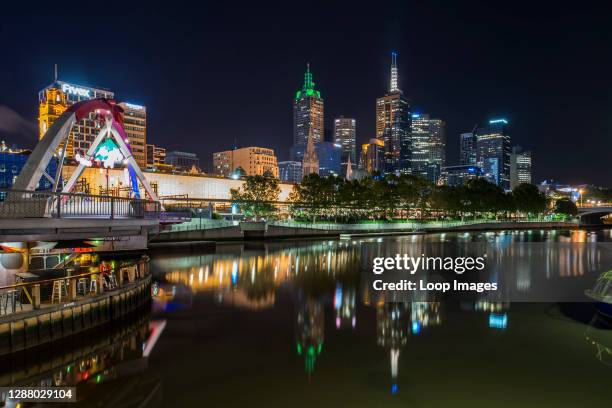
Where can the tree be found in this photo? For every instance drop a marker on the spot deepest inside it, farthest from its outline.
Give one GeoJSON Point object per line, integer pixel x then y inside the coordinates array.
{"type": "Point", "coordinates": [567, 207]}
{"type": "Point", "coordinates": [256, 197]}
{"type": "Point", "coordinates": [528, 199]}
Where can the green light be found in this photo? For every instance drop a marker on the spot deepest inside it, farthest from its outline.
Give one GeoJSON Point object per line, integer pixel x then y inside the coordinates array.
{"type": "Point", "coordinates": [299, 349]}
{"type": "Point", "coordinates": [308, 87]}
{"type": "Point", "coordinates": [98, 378]}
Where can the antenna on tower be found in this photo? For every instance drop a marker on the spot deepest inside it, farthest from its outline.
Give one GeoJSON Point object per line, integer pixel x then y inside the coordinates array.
{"type": "Point", "coordinates": [55, 73]}
{"type": "Point", "coordinates": [393, 86]}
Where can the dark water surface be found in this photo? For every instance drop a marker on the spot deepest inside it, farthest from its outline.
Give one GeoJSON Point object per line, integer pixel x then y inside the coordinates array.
{"type": "Point", "coordinates": [296, 324]}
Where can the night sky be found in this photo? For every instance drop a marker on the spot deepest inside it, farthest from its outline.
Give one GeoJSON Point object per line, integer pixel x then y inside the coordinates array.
{"type": "Point", "coordinates": [213, 74]}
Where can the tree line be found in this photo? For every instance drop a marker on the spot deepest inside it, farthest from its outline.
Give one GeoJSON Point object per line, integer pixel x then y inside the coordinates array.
{"type": "Point", "coordinates": [392, 197]}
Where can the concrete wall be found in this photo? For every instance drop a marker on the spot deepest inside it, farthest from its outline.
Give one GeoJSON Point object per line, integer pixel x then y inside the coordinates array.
{"type": "Point", "coordinates": [171, 184]}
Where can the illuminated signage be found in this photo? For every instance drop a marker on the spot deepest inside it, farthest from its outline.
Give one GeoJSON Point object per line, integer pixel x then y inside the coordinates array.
{"type": "Point", "coordinates": [75, 90]}
{"type": "Point", "coordinates": [133, 106]}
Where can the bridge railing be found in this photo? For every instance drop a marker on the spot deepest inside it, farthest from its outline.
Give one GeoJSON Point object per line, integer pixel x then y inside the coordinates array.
{"type": "Point", "coordinates": [43, 204]}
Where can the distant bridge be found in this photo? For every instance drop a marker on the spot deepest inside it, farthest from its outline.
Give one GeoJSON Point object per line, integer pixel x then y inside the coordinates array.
{"type": "Point", "coordinates": [593, 215]}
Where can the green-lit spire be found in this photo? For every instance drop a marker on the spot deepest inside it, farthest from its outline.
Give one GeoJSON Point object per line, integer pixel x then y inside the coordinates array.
{"type": "Point", "coordinates": [308, 87]}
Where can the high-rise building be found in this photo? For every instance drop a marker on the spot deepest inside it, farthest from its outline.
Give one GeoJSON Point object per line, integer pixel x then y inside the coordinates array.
{"type": "Point", "coordinates": [393, 124]}
{"type": "Point", "coordinates": [135, 126]}
{"type": "Point", "coordinates": [329, 155]}
{"type": "Point", "coordinates": [255, 161]}
{"type": "Point", "coordinates": [183, 161]}
{"type": "Point", "coordinates": [428, 146]}
{"type": "Point", "coordinates": [345, 135]}
{"type": "Point", "coordinates": [83, 132]}
{"type": "Point", "coordinates": [310, 161]}
{"type": "Point", "coordinates": [494, 152]}
{"type": "Point", "coordinates": [520, 167]}
{"type": "Point", "coordinates": [372, 157]}
{"type": "Point", "coordinates": [290, 171]}
{"type": "Point", "coordinates": [468, 152]}
{"type": "Point", "coordinates": [307, 113]}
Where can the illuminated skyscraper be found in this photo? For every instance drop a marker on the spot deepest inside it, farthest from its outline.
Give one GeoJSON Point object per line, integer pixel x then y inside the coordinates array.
{"type": "Point", "coordinates": [520, 167]}
{"type": "Point", "coordinates": [467, 148]}
{"type": "Point", "coordinates": [345, 135]}
{"type": "Point", "coordinates": [494, 152]}
{"type": "Point", "coordinates": [307, 113]}
{"type": "Point", "coordinates": [135, 125]}
{"type": "Point", "coordinates": [372, 157]}
{"type": "Point", "coordinates": [428, 145]}
{"type": "Point", "coordinates": [393, 124]}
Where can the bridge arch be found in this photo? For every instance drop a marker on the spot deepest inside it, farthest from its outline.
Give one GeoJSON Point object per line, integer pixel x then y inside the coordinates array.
{"type": "Point", "coordinates": [36, 165]}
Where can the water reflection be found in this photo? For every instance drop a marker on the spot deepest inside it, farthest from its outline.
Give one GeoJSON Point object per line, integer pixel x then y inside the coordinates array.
{"type": "Point", "coordinates": [324, 286]}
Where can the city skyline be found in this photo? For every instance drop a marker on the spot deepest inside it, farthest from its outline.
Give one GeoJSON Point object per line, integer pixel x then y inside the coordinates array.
{"type": "Point", "coordinates": [529, 95]}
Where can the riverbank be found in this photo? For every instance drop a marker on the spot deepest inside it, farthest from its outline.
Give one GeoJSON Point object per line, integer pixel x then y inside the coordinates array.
{"type": "Point", "coordinates": [224, 231]}
{"type": "Point", "coordinates": [29, 329]}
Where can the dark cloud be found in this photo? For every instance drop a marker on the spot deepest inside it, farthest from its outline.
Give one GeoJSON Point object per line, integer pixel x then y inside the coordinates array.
{"type": "Point", "coordinates": [16, 128]}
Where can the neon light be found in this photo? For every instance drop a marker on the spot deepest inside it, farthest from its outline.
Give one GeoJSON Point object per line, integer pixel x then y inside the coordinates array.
{"type": "Point", "coordinates": [75, 90]}
{"type": "Point", "coordinates": [133, 106]}
{"type": "Point", "coordinates": [416, 327]}
{"type": "Point", "coordinates": [493, 121]}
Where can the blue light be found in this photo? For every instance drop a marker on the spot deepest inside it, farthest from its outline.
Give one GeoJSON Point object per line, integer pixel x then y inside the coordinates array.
{"type": "Point", "coordinates": [394, 388]}
{"type": "Point", "coordinates": [416, 327]}
{"type": "Point", "coordinates": [416, 115]}
{"type": "Point", "coordinates": [493, 121]}
{"type": "Point", "coordinates": [498, 321]}
{"type": "Point", "coordinates": [234, 273]}
{"type": "Point", "coordinates": [471, 170]}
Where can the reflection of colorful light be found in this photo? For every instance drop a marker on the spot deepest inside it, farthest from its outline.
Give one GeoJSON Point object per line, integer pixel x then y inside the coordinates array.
{"type": "Point", "coordinates": [498, 321]}
{"type": "Point", "coordinates": [394, 388]}
{"type": "Point", "coordinates": [416, 327]}
{"type": "Point", "coordinates": [234, 273]}
{"type": "Point", "coordinates": [338, 297]}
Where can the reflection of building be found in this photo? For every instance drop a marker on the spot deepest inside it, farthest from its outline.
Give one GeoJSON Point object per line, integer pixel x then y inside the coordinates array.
{"type": "Point", "coordinates": [290, 171]}
{"type": "Point", "coordinates": [51, 101]}
{"type": "Point", "coordinates": [135, 125]}
{"type": "Point", "coordinates": [310, 323]}
{"type": "Point", "coordinates": [255, 161]}
{"type": "Point", "coordinates": [494, 152]}
{"type": "Point", "coordinates": [183, 161]}
{"type": "Point", "coordinates": [392, 334]}
{"type": "Point", "coordinates": [393, 124]}
{"type": "Point", "coordinates": [520, 167]}
{"type": "Point", "coordinates": [345, 306]}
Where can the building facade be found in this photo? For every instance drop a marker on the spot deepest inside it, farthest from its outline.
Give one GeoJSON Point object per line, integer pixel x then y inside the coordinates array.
{"type": "Point", "coordinates": [372, 158]}
{"type": "Point", "coordinates": [393, 124]}
{"type": "Point", "coordinates": [308, 113]}
{"type": "Point", "coordinates": [428, 146]}
{"type": "Point", "coordinates": [494, 152]}
{"type": "Point", "coordinates": [255, 161]}
{"type": "Point", "coordinates": [83, 132]}
{"type": "Point", "coordinates": [156, 156]}
{"type": "Point", "coordinates": [135, 126]}
{"type": "Point", "coordinates": [290, 171]}
{"type": "Point", "coordinates": [310, 161]}
{"type": "Point", "coordinates": [345, 135]}
{"type": "Point", "coordinates": [520, 167]}
{"type": "Point", "coordinates": [456, 176]}
{"type": "Point", "coordinates": [468, 151]}
{"type": "Point", "coordinates": [183, 161]}
{"type": "Point", "coordinates": [330, 156]}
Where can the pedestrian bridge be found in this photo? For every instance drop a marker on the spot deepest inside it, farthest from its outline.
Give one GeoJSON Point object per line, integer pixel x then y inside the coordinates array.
{"type": "Point", "coordinates": [42, 215]}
